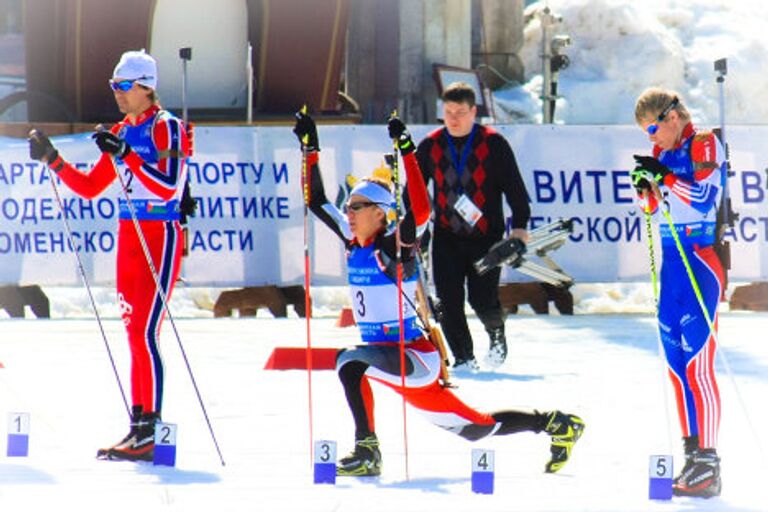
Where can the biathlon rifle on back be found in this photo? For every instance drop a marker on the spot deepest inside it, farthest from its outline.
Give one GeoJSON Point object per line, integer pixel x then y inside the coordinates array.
{"type": "Point", "coordinates": [726, 216]}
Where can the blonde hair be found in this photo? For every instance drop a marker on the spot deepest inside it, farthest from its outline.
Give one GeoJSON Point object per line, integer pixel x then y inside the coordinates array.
{"type": "Point", "coordinates": [382, 182]}
{"type": "Point", "coordinates": [654, 100]}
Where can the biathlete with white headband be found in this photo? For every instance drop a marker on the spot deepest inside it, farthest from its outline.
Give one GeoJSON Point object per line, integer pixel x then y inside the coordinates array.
{"type": "Point", "coordinates": [366, 227]}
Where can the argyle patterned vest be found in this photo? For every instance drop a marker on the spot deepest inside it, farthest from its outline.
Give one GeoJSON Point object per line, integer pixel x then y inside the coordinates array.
{"type": "Point", "coordinates": [446, 179]}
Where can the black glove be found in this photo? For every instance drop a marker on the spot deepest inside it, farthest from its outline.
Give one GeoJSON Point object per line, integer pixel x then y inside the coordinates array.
{"type": "Point", "coordinates": [657, 169]}
{"type": "Point", "coordinates": [398, 132]}
{"type": "Point", "coordinates": [40, 147]}
{"type": "Point", "coordinates": [641, 179]}
{"type": "Point", "coordinates": [108, 142]}
{"type": "Point", "coordinates": [306, 132]}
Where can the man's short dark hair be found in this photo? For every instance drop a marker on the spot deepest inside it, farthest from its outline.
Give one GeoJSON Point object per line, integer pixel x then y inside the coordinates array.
{"type": "Point", "coordinates": [459, 92]}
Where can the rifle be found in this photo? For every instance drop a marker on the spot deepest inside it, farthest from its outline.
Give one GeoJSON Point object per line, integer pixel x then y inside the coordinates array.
{"type": "Point", "coordinates": [426, 307]}
{"type": "Point", "coordinates": [726, 216]}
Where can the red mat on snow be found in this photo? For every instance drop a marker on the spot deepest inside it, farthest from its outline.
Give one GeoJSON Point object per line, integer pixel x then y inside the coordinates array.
{"type": "Point", "coordinates": [295, 358]}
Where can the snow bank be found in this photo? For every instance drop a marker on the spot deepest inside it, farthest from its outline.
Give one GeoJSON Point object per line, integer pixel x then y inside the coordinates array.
{"type": "Point", "coordinates": [620, 47]}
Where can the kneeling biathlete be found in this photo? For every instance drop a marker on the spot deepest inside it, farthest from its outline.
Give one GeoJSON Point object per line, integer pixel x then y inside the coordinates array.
{"type": "Point", "coordinates": [370, 241]}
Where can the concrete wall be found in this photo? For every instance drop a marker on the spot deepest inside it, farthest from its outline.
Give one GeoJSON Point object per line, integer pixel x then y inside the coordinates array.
{"type": "Point", "coordinates": [498, 27]}
{"type": "Point", "coordinates": [462, 33]}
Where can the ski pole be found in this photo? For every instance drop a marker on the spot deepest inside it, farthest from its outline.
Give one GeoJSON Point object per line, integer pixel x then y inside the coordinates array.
{"type": "Point", "coordinates": [399, 264]}
{"type": "Point", "coordinates": [660, 346]}
{"type": "Point", "coordinates": [166, 308]}
{"type": "Point", "coordinates": [80, 267]}
{"type": "Point", "coordinates": [712, 328]}
{"type": "Point", "coordinates": [307, 281]}
{"type": "Point", "coordinates": [652, 259]}
{"type": "Point", "coordinates": [689, 271]}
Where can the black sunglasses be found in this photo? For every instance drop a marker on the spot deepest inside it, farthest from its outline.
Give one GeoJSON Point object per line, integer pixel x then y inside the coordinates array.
{"type": "Point", "coordinates": [356, 207]}
{"type": "Point", "coordinates": [654, 127]}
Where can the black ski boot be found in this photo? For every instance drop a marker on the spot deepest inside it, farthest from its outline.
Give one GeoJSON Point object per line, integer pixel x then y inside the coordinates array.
{"type": "Point", "coordinates": [139, 444]}
{"type": "Point", "coordinates": [701, 477]}
{"type": "Point", "coordinates": [690, 447]}
{"type": "Point", "coordinates": [365, 460]}
{"type": "Point", "coordinates": [565, 430]}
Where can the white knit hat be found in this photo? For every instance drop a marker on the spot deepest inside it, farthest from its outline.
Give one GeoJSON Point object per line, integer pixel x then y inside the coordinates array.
{"type": "Point", "coordinates": [138, 66]}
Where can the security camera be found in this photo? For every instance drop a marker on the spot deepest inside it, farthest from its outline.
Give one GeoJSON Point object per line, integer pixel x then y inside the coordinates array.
{"type": "Point", "coordinates": [721, 66]}
{"type": "Point", "coordinates": [560, 41]}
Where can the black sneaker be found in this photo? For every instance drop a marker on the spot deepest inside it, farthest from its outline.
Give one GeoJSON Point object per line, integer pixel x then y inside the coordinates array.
{"type": "Point", "coordinates": [701, 477]}
{"type": "Point", "coordinates": [497, 352]}
{"type": "Point", "coordinates": [139, 444]}
{"type": "Point", "coordinates": [365, 460]}
{"type": "Point", "coordinates": [565, 430]}
{"type": "Point", "coordinates": [466, 366]}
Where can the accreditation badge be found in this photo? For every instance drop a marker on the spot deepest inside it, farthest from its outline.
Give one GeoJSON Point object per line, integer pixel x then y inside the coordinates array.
{"type": "Point", "coordinates": [467, 209]}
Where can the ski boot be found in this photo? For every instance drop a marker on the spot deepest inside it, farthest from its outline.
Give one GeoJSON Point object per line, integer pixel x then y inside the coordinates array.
{"type": "Point", "coordinates": [690, 447]}
{"type": "Point", "coordinates": [497, 352]}
{"type": "Point", "coordinates": [700, 478]}
{"type": "Point", "coordinates": [565, 430]}
{"type": "Point", "coordinates": [139, 444]}
{"type": "Point", "coordinates": [365, 460]}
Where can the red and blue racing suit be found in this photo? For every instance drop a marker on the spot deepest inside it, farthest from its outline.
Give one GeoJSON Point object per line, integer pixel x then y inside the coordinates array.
{"type": "Point", "coordinates": [153, 174]}
{"type": "Point", "coordinates": [692, 194]}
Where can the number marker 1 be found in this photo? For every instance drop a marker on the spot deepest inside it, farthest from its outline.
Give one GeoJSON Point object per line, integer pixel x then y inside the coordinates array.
{"type": "Point", "coordinates": [660, 477]}
{"type": "Point", "coordinates": [165, 444]}
{"type": "Point", "coordinates": [325, 462]}
{"type": "Point", "coordinates": [18, 434]}
{"type": "Point", "coordinates": [482, 471]}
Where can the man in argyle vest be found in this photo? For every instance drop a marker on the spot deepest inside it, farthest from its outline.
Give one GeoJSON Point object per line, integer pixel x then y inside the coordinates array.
{"type": "Point", "coordinates": [471, 168]}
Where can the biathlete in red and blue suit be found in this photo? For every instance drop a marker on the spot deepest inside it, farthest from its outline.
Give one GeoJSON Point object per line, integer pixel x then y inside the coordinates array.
{"type": "Point", "coordinates": [148, 148]}
{"type": "Point", "coordinates": [686, 172]}
{"type": "Point", "coordinates": [367, 230]}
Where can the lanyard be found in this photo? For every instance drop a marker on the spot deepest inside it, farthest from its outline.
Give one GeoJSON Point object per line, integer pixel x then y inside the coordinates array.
{"type": "Point", "coordinates": [459, 164]}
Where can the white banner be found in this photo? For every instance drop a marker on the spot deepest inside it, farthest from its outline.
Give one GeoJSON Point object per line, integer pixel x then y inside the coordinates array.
{"type": "Point", "coordinates": [249, 227]}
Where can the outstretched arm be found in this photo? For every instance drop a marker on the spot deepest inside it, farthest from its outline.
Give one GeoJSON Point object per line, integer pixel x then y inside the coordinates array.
{"type": "Point", "coordinates": [417, 217]}
{"type": "Point", "coordinates": [87, 185]}
{"type": "Point", "coordinates": [306, 132]}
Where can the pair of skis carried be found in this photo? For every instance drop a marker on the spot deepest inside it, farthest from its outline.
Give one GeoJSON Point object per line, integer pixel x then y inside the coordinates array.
{"type": "Point", "coordinates": [510, 251]}
{"type": "Point", "coordinates": [542, 240]}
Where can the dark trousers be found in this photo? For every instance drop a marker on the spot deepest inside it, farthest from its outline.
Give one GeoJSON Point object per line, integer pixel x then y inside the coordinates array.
{"type": "Point", "coordinates": [452, 265]}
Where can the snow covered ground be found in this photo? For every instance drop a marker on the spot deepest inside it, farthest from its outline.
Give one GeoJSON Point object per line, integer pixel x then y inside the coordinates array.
{"type": "Point", "coordinates": [603, 367]}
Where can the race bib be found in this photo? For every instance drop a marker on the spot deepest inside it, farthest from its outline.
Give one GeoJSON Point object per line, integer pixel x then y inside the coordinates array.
{"type": "Point", "coordinates": [467, 209]}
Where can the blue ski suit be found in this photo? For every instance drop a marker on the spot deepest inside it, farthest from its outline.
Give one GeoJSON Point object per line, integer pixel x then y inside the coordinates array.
{"type": "Point", "coordinates": [692, 192]}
